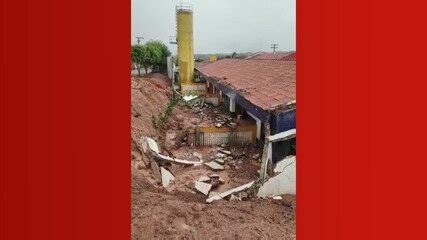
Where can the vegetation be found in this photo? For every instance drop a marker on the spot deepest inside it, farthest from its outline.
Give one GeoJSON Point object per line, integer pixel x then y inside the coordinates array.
{"type": "Point", "coordinates": [160, 121]}
{"type": "Point", "coordinates": [152, 54]}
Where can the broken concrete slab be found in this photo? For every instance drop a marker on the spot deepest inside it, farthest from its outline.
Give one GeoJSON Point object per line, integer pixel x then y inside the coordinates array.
{"type": "Point", "coordinates": [229, 192]}
{"type": "Point", "coordinates": [224, 151]}
{"type": "Point", "coordinates": [167, 176]}
{"type": "Point", "coordinates": [220, 161]}
{"type": "Point", "coordinates": [282, 164]}
{"type": "Point", "coordinates": [283, 183]}
{"type": "Point", "coordinates": [148, 143]}
{"type": "Point", "coordinates": [188, 98]}
{"type": "Point", "coordinates": [292, 133]}
{"type": "Point", "coordinates": [178, 161]}
{"type": "Point", "coordinates": [277, 198]}
{"type": "Point", "coordinates": [220, 155]}
{"type": "Point", "coordinates": [198, 155]}
{"type": "Point", "coordinates": [214, 166]}
{"type": "Point", "coordinates": [216, 180]}
{"type": "Point", "coordinates": [212, 193]}
{"type": "Point", "coordinates": [204, 179]}
{"type": "Point", "coordinates": [203, 187]}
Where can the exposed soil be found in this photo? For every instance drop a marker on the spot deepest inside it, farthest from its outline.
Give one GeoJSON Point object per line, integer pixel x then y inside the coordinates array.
{"type": "Point", "coordinates": [179, 212]}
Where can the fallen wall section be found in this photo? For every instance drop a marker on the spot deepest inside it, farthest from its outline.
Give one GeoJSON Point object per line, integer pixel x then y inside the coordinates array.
{"type": "Point", "coordinates": [283, 183]}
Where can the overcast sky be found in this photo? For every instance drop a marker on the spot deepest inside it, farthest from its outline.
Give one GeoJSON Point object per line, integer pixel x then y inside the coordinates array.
{"type": "Point", "coordinates": [220, 26]}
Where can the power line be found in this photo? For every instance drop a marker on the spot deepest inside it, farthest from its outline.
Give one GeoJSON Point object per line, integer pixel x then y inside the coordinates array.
{"type": "Point", "coordinates": [274, 46]}
{"type": "Point", "coordinates": [139, 40]}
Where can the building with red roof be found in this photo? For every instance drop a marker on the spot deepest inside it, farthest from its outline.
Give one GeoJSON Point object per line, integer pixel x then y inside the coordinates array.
{"type": "Point", "coordinates": [264, 91]}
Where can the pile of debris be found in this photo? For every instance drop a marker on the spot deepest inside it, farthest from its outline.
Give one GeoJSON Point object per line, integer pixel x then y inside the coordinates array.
{"type": "Point", "coordinates": [216, 115]}
{"type": "Point", "coordinates": [158, 161]}
{"type": "Point", "coordinates": [220, 159]}
{"type": "Point", "coordinates": [207, 183]}
{"type": "Point", "coordinates": [221, 120]}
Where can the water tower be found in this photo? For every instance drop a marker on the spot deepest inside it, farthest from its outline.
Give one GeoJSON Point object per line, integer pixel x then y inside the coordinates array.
{"type": "Point", "coordinates": [184, 16]}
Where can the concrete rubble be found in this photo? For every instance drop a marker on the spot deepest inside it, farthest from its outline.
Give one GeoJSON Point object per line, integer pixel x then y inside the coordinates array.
{"type": "Point", "coordinates": [148, 143]}
{"type": "Point", "coordinates": [203, 187]}
{"type": "Point", "coordinates": [212, 193]}
{"type": "Point", "coordinates": [220, 161]}
{"type": "Point", "coordinates": [189, 98]}
{"type": "Point", "coordinates": [178, 161]}
{"type": "Point", "coordinates": [224, 151]}
{"type": "Point", "coordinates": [283, 183]}
{"type": "Point", "coordinates": [204, 179]}
{"type": "Point", "coordinates": [218, 118]}
{"type": "Point", "coordinates": [215, 166]}
{"type": "Point", "coordinates": [198, 155]}
{"type": "Point", "coordinates": [229, 192]}
{"type": "Point", "coordinates": [167, 177]}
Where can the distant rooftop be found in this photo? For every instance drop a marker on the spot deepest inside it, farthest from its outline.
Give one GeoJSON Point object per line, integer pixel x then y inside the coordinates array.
{"type": "Point", "coordinates": [283, 56]}
{"type": "Point", "coordinates": [266, 84]}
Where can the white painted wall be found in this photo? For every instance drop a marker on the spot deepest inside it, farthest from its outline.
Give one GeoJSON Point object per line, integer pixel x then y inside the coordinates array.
{"type": "Point", "coordinates": [283, 183]}
{"type": "Point", "coordinates": [189, 87]}
{"type": "Point", "coordinates": [217, 138]}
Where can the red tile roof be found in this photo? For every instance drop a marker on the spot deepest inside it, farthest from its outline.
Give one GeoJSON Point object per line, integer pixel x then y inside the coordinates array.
{"type": "Point", "coordinates": [290, 57]}
{"type": "Point", "coordinates": [202, 64]}
{"type": "Point", "coordinates": [283, 56]}
{"type": "Point", "coordinates": [266, 84]}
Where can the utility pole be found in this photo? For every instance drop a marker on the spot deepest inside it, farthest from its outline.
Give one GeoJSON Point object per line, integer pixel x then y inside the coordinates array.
{"type": "Point", "coordinates": [139, 40]}
{"type": "Point", "coordinates": [274, 46]}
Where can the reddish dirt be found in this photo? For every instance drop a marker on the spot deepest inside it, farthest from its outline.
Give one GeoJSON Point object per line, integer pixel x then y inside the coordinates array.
{"type": "Point", "coordinates": [179, 212]}
{"type": "Point", "coordinates": [157, 214]}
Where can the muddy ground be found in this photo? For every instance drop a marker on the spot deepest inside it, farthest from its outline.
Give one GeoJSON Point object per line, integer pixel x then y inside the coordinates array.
{"type": "Point", "coordinates": [179, 212]}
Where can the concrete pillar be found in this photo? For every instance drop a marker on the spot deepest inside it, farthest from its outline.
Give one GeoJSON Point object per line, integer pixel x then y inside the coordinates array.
{"type": "Point", "coordinates": [270, 151]}
{"type": "Point", "coordinates": [232, 105]}
{"type": "Point", "coordinates": [265, 152]}
{"type": "Point", "coordinates": [258, 126]}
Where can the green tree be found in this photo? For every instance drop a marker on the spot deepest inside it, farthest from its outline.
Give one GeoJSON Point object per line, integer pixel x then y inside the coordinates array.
{"type": "Point", "coordinates": [150, 55]}
{"type": "Point", "coordinates": [137, 55]}
{"type": "Point", "coordinates": [160, 52]}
